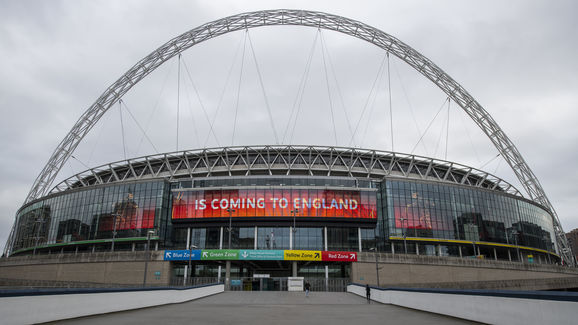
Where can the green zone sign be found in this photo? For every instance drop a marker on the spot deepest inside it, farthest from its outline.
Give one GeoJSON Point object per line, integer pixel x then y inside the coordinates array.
{"type": "Point", "coordinates": [261, 255]}
{"type": "Point", "coordinates": [219, 254]}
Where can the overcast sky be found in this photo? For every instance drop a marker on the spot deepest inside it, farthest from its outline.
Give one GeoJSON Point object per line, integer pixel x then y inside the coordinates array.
{"type": "Point", "coordinates": [517, 58]}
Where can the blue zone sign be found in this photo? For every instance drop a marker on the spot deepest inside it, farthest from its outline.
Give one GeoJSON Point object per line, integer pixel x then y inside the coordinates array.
{"type": "Point", "coordinates": [182, 255]}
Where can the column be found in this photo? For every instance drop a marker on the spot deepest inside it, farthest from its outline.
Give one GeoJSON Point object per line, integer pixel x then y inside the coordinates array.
{"type": "Point", "coordinates": [326, 277]}
{"type": "Point", "coordinates": [221, 239]}
{"type": "Point", "coordinates": [228, 275]}
{"type": "Point", "coordinates": [186, 275]}
{"type": "Point", "coordinates": [294, 268]}
{"type": "Point", "coordinates": [359, 237]}
{"type": "Point", "coordinates": [291, 237]}
{"type": "Point", "coordinates": [325, 235]}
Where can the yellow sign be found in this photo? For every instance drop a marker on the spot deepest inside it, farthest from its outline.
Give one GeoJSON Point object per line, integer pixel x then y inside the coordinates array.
{"type": "Point", "coordinates": [302, 255]}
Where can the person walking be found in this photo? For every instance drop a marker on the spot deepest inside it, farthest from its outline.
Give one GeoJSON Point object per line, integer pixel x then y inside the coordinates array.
{"type": "Point", "coordinates": [307, 288]}
{"type": "Point", "coordinates": [368, 293]}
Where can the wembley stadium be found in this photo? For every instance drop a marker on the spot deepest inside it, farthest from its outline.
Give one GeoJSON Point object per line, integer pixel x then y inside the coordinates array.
{"type": "Point", "coordinates": [253, 216]}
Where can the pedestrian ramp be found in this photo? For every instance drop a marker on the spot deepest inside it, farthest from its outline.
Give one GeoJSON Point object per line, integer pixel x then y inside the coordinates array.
{"type": "Point", "coordinates": [281, 298]}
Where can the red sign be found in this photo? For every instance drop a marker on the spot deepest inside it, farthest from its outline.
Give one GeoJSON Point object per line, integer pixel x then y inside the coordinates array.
{"type": "Point", "coordinates": [274, 203]}
{"type": "Point", "coordinates": [339, 256]}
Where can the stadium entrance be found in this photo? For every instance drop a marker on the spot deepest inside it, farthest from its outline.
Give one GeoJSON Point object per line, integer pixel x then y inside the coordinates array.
{"type": "Point", "coordinates": [265, 275]}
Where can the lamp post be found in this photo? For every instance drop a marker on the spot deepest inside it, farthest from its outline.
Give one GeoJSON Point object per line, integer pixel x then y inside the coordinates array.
{"type": "Point", "coordinates": [294, 213]}
{"type": "Point", "coordinates": [374, 249]}
{"type": "Point", "coordinates": [190, 257]}
{"type": "Point", "coordinates": [228, 263]}
{"type": "Point", "coordinates": [149, 234]}
{"type": "Point", "coordinates": [115, 215]}
{"type": "Point", "coordinates": [230, 224]}
{"type": "Point", "coordinates": [404, 234]}
{"type": "Point", "coordinates": [515, 233]}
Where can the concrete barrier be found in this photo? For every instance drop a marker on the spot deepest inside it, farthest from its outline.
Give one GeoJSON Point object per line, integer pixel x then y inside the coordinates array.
{"type": "Point", "coordinates": [38, 306]}
{"type": "Point", "coordinates": [486, 306]}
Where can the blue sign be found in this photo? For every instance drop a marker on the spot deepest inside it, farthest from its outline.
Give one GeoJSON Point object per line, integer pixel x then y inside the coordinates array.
{"type": "Point", "coordinates": [235, 282]}
{"type": "Point", "coordinates": [261, 255]}
{"type": "Point", "coordinates": [182, 255]}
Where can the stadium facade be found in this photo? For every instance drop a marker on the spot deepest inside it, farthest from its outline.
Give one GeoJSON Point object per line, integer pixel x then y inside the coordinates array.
{"type": "Point", "coordinates": [283, 199]}
{"type": "Point", "coordinates": [287, 210]}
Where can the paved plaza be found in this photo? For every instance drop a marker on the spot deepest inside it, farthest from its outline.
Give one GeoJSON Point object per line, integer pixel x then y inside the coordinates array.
{"type": "Point", "coordinates": [272, 308]}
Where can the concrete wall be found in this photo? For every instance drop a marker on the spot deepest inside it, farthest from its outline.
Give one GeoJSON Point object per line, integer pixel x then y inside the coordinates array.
{"type": "Point", "coordinates": [480, 308]}
{"type": "Point", "coordinates": [53, 307]}
{"type": "Point", "coordinates": [431, 271]}
{"type": "Point", "coordinates": [127, 268]}
{"type": "Point", "coordinates": [102, 268]}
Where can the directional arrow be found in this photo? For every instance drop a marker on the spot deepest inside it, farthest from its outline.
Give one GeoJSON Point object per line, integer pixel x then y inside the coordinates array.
{"type": "Point", "coordinates": [168, 255]}
{"type": "Point", "coordinates": [205, 254]}
{"type": "Point", "coordinates": [352, 256]}
{"type": "Point", "coordinates": [245, 254]}
{"type": "Point", "coordinates": [316, 255]}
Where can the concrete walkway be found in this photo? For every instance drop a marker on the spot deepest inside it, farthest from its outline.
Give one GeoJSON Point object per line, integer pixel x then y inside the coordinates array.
{"type": "Point", "coordinates": [272, 308]}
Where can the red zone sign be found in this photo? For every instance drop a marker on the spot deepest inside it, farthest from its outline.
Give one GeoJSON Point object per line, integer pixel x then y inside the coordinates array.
{"type": "Point", "coordinates": [338, 256]}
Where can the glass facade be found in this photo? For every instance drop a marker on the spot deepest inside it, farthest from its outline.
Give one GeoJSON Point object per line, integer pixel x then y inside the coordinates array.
{"type": "Point", "coordinates": [407, 209]}
{"type": "Point", "coordinates": [430, 210]}
{"type": "Point", "coordinates": [130, 210]}
{"type": "Point", "coordinates": [309, 238]}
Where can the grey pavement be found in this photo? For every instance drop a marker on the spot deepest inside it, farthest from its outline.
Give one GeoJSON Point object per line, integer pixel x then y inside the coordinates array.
{"type": "Point", "coordinates": [272, 308]}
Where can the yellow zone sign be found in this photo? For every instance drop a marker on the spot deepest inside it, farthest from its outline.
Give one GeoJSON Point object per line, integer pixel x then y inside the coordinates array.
{"type": "Point", "coordinates": [294, 255]}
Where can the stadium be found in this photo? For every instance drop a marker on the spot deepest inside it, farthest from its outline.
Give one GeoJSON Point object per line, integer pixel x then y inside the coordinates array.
{"type": "Point", "coordinates": [254, 216]}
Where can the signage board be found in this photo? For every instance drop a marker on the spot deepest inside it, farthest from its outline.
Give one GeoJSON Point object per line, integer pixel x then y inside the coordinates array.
{"type": "Point", "coordinates": [182, 255]}
{"type": "Point", "coordinates": [292, 202]}
{"type": "Point", "coordinates": [339, 256]}
{"type": "Point", "coordinates": [261, 255]}
{"type": "Point", "coordinates": [295, 255]}
{"type": "Point", "coordinates": [261, 276]}
{"type": "Point", "coordinates": [219, 254]}
{"type": "Point", "coordinates": [295, 283]}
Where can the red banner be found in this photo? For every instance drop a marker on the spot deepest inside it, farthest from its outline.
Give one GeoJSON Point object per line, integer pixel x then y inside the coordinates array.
{"type": "Point", "coordinates": [338, 256]}
{"type": "Point", "coordinates": [274, 203]}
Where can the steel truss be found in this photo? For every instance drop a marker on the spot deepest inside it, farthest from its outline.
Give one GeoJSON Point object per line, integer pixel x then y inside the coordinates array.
{"type": "Point", "coordinates": [285, 160]}
{"type": "Point", "coordinates": [343, 25]}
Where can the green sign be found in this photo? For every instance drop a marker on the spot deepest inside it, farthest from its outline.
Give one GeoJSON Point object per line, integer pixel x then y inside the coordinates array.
{"type": "Point", "coordinates": [261, 255]}
{"type": "Point", "coordinates": [219, 254]}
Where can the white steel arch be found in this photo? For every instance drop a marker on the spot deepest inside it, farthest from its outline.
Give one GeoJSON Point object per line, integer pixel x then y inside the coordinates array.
{"type": "Point", "coordinates": [343, 25]}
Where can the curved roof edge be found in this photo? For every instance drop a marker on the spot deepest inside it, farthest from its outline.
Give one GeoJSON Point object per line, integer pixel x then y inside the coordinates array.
{"type": "Point", "coordinates": [284, 160]}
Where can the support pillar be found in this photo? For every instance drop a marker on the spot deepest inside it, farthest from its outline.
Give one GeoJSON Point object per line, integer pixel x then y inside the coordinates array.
{"type": "Point", "coordinates": [325, 233]}
{"type": "Point", "coordinates": [326, 277]}
{"type": "Point", "coordinates": [228, 275]}
{"type": "Point", "coordinates": [294, 266]}
{"type": "Point", "coordinates": [359, 237]}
